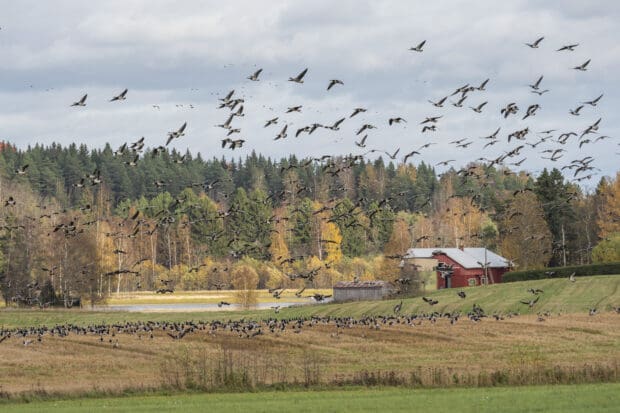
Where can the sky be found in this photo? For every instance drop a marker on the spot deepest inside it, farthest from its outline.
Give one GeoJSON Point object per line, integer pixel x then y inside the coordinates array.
{"type": "Point", "coordinates": [178, 58]}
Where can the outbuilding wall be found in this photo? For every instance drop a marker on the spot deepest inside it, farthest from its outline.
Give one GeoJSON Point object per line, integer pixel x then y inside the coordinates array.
{"type": "Point", "coordinates": [358, 294]}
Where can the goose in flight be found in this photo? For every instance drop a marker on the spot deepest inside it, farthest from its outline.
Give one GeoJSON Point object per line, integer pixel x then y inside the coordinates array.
{"type": "Point", "coordinates": [430, 301]}
{"type": "Point", "coordinates": [226, 125]}
{"type": "Point", "coordinates": [176, 134]}
{"type": "Point", "coordinates": [582, 67]}
{"type": "Point", "coordinates": [531, 303]}
{"type": "Point", "coordinates": [409, 155]}
{"type": "Point", "coordinates": [319, 297]}
{"type": "Point", "coordinates": [482, 85]}
{"type": "Point", "coordinates": [22, 170]}
{"type": "Point", "coordinates": [593, 102]}
{"type": "Point", "coordinates": [536, 42]}
{"type": "Point", "coordinates": [510, 109]}
{"type": "Point", "coordinates": [362, 142]}
{"type": "Point", "coordinates": [228, 97]}
{"type": "Point", "coordinates": [478, 109]}
{"type": "Point", "coordinates": [336, 125]}
{"type": "Point", "coordinates": [396, 120]}
{"type": "Point", "coordinates": [300, 130]}
{"type": "Point", "coordinates": [575, 112]}
{"type": "Point", "coordinates": [445, 163]}
{"type": "Point", "coordinates": [419, 47]}
{"type": "Point", "coordinates": [270, 122]}
{"type": "Point", "coordinates": [531, 111]}
{"type": "Point", "coordinates": [364, 127]}
{"type": "Point", "coordinates": [81, 102]}
{"type": "Point", "coordinates": [536, 85]}
{"type": "Point", "coordinates": [300, 77]}
{"type": "Point", "coordinates": [392, 155]}
{"type": "Point", "coordinates": [356, 111]}
{"type": "Point", "coordinates": [121, 96]}
{"type": "Point", "coordinates": [254, 76]}
{"type": "Point", "coordinates": [439, 103]}
{"type": "Point", "coordinates": [568, 47]}
{"type": "Point", "coordinates": [334, 82]}
{"type": "Point", "coordinates": [282, 133]}
{"type": "Point", "coordinates": [432, 119]}
{"type": "Point", "coordinates": [459, 103]}
{"type": "Point", "coordinates": [133, 162]}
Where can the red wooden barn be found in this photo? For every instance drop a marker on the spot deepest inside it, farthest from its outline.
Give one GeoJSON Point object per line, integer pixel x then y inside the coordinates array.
{"type": "Point", "coordinates": [461, 267]}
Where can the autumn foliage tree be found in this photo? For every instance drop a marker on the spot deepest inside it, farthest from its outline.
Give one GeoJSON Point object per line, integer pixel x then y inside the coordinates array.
{"type": "Point", "coordinates": [608, 217]}
{"type": "Point", "coordinates": [245, 280]}
{"type": "Point", "coordinates": [526, 236]}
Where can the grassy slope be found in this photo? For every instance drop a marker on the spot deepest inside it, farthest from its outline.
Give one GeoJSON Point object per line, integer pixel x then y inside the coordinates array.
{"type": "Point", "coordinates": [559, 295]}
{"type": "Point", "coordinates": [564, 399]}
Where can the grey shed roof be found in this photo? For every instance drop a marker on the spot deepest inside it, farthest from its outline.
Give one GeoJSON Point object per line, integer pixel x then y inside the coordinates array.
{"type": "Point", "coordinates": [467, 257]}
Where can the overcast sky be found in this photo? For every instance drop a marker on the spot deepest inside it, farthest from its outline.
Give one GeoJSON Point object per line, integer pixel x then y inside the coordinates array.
{"type": "Point", "coordinates": [183, 56]}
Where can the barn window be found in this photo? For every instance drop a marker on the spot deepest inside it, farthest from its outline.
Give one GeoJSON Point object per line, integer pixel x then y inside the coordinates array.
{"type": "Point", "coordinates": [471, 282]}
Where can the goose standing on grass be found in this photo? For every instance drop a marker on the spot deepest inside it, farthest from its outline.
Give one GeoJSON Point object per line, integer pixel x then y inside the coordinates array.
{"type": "Point", "coordinates": [398, 307]}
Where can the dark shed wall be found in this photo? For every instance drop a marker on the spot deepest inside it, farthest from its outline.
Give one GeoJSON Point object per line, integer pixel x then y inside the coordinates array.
{"type": "Point", "coordinates": [357, 294]}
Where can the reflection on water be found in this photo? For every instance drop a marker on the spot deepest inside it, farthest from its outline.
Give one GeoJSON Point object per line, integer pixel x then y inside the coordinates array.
{"type": "Point", "coordinates": [163, 308]}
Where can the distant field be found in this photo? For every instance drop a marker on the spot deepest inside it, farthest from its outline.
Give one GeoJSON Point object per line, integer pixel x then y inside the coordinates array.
{"type": "Point", "coordinates": [549, 399]}
{"type": "Point", "coordinates": [560, 296]}
{"type": "Point", "coordinates": [206, 297]}
{"type": "Point", "coordinates": [568, 347]}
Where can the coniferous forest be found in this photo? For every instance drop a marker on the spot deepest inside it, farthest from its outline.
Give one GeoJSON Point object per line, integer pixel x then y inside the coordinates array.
{"type": "Point", "coordinates": [88, 222]}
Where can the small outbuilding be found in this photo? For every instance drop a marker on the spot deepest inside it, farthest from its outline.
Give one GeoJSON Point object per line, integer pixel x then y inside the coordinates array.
{"type": "Point", "coordinates": [361, 290]}
{"type": "Point", "coordinates": [461, 267]}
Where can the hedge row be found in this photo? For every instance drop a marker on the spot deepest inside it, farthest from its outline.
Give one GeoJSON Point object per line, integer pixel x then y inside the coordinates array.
{"type": "Point", "coordinates": [562, 272]}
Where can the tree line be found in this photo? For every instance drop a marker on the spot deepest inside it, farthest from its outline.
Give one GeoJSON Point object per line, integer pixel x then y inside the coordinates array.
{"type": "Point", "coordinates": [91, 222]}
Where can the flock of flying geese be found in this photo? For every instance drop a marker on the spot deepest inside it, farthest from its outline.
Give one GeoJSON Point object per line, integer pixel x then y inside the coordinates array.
{"type": "Point", "coordinates": [582, 168]}
{"type": "Point", "coordinates": [429, 124]}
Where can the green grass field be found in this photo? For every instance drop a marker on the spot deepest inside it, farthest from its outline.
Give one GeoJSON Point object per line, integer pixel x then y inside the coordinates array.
{"type": "Point", "coordinates": [560, 399]}
{"type": "Point", "coordinates": [560, 296]}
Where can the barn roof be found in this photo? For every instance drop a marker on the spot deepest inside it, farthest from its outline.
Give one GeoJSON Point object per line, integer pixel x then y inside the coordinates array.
{"type": "Point", "coordinates": [361, 284]}
{"type": "Point", "coordinates": [467, 257]}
